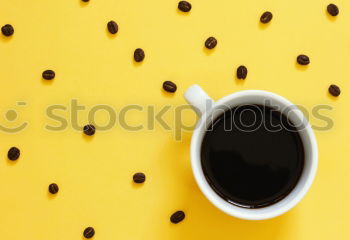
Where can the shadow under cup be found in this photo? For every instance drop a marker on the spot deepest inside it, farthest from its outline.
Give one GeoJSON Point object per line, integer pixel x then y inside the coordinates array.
{"type": "Point", "coordinates": [208, 172]}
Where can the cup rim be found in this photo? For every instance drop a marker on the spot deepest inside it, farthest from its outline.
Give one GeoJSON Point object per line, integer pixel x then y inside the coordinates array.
{"type": "Point", "coordinates": [267, 212]}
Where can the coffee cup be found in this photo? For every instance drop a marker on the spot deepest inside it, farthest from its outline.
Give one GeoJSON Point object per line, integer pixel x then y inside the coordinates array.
{"type": "Point", "coordinates": [238, 171]}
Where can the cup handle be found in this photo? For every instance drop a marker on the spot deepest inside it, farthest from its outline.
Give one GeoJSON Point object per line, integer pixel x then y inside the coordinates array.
{"type": "Point", "coordinates": [198, 99]}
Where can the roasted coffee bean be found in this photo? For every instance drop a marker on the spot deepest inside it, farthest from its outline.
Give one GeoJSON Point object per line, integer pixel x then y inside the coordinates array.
{"type": "Point", "coordinates": [7, 30]}
{"type": "Point", "coordinates": [242, 72]}
{"type": "Point", "coordinates": [89, 129]}
{"type": "Point", "coordinates": [169, 86]}
{"type": "Point", "coordinates": [48, 75]}
{"type": "Point", "coordinates": [266, 17]}
{"type": "Point", "coordinates": [139, 177]}
{"type": "Point", "coordinates": [89, 232]}
{"type": "Point", "coordinates": [334, 90]}
{"type": "Point", "coordinates": [332, 9]}
{"type": "Point", "coordinates": [139, 55]}
{"type": "Point", "coordinates": [53, 188]}
{"type": "Point", "coordinates": [112, 27]}
{"type": "Point", "coordinates": [211, 42]}
{"type": "Point", "coordinates": [13, 153]}
{"type": "Point", "coordinates": [303, 59]}
{"type": "Point", "coordinates": [177, 217]}
{"type": "Point", "coordinates": [184, 6]}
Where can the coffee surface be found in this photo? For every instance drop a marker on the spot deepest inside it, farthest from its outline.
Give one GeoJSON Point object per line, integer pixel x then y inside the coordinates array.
{"type": "Point", "coordinates": [252, 156]}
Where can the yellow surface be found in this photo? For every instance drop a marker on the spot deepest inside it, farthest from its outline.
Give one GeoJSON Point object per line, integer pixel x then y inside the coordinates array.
{"type": "Point", "coordinates": [94, 67]}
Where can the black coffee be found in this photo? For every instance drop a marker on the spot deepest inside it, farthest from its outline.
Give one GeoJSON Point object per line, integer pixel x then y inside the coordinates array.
{"type": "Point", "coordinates": [252, 156]}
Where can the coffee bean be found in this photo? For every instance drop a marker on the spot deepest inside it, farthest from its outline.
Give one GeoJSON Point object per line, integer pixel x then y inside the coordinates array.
{"type": "Point", "coordinates": [139, 177]}
{"type": "Point", "coordinates": [266, 17]}
{"type": "Point", "coordinates": [332, 9]}
{"type": "Point", "coordinates": [177, 217]}
{"type": "Point", "coordinates": [85, 0]}
{"type": "Point", "coordinates": [48, 75]}
{"type": "Point", "coordinates": [184, 6]}
{"type": "Point", "coordinates": [334, 90]}
{"type": "Point", "coordinates": [303, 59]}
{"type": "Point", "coordinates": [112, 27]}
{"type": "Point", "coordinates": [13, 153]}
{"type": "Point", "coordinates": [89, 232]}
{"type": "Point", "coordinates": [7, 30]}
{"type": "Point", "coordinates": [139, 55]}
{"type": "Point", "coordinates": [53, 188]}
{"type": "Point", "coordinates": [211, 42]}
{"type": "Point", "coordinates": [242, 72]}
{"type": "Point", "coordinates": [89, 129]}
{"type": "Point", "coordinates": [169, 86]}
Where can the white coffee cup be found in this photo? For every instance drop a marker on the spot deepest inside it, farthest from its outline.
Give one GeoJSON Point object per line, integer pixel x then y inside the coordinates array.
{"type": "Point", "coordinates": [208, 110]}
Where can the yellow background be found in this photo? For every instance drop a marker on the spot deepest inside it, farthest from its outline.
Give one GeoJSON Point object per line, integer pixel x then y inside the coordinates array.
{"type": "Point", "coordinates": [95, 175]}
